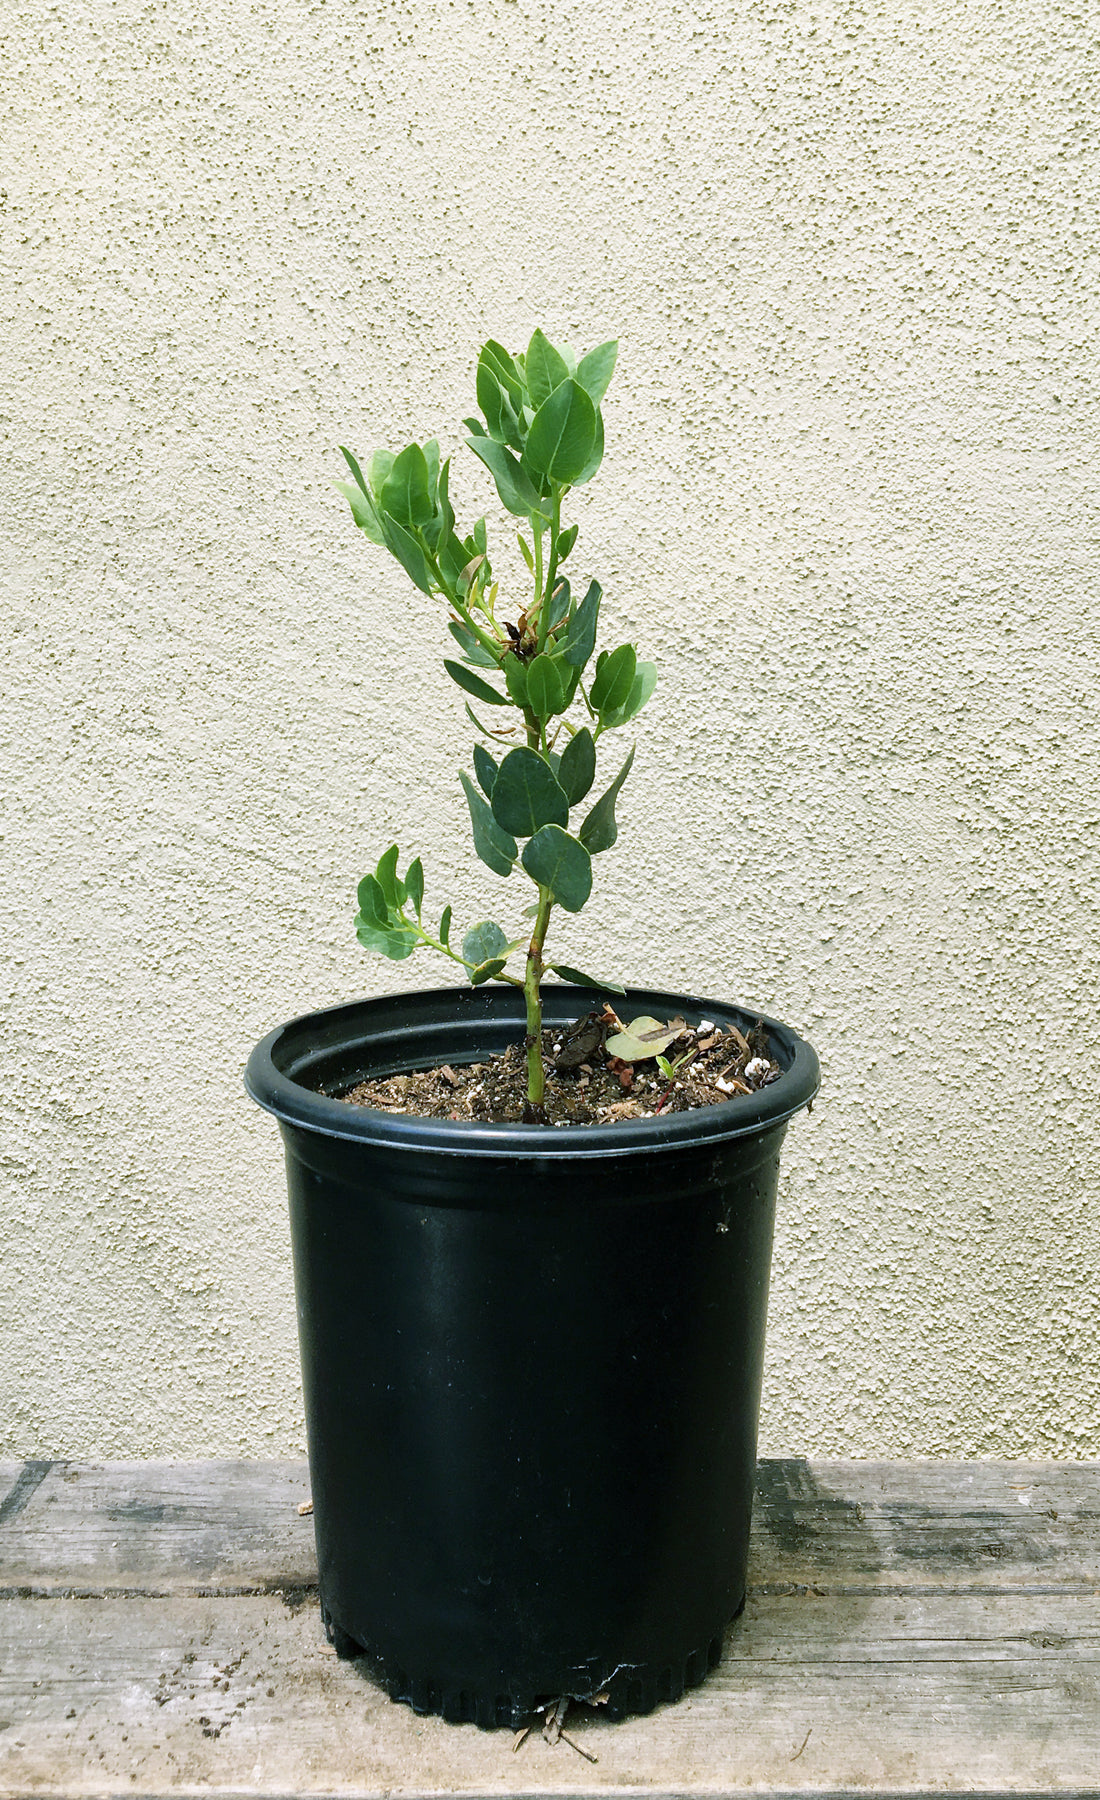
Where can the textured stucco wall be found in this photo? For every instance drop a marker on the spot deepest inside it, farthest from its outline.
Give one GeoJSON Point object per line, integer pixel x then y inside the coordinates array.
{"type": "Point", "coordinates": [849, 506]}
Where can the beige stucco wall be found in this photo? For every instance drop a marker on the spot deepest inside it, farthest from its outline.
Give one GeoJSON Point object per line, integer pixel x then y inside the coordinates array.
{"type": "Point", "coordinates": [849, 506]}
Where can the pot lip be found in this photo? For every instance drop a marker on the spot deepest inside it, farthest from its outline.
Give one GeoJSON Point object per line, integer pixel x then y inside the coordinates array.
{"type": "Point", "coordinates": [268, 1081]}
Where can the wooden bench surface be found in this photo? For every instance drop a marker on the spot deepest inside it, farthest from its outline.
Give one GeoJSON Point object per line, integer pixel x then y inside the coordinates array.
{"type": "Point", "coordinates": [911, 1629]}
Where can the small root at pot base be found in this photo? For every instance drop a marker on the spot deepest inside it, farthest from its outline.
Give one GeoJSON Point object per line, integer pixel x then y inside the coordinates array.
{"type": "Point", "coordinates": [713, 1067]}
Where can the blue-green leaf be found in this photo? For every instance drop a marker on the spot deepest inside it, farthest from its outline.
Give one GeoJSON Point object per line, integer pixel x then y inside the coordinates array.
{"type": "Point", "coordinates": [414, 884]}
{"type": "Point", "coordinates": [579, 979]}
{"type": "Point", "coordinates": [485, 769]}
{"type": "Point", "coordinates": [408, 553]}
{"type": "Point", "coordinates": [494, 846]}
{"type": "Point", "coordinates": [473, 684]}
{"type": "Point", "coordinates": [468, 644]}
{"type": "Point", "coordinates": [386, 873]}
{"type": "Point", "coordinates": [645, 680]}
{"type": "Point", "coordinates": [558, 604]}
{"type": "Point", "coordinates": [516, 490]}
{"type": "Point", "coordinates": [391, 942]}
{"type": "Point", "coordinates": [614, 678]}
{"type": "Point", "coordinates": [515, 677]}
{"type": "Point", "coordinates": [578, 766]}
{"type": "Point", "coordinates": [566, 542]}
{"type": "Point", "coordinates": [483, 942]}
{"type": "Point", "coordinates": [600, 828]}
{"type": "Point", "coordinates": [547, 686]}
{"type": "Point", "coordinates": [527, 795]}
{"type": "Point", "coordinates": [486, 970]}
{"type": "Point", "coordinates": [579, 639]}
{"type": "Point", "coordinates": [558, 862]}
{"type": "Point", "coordinates": [372, 903]}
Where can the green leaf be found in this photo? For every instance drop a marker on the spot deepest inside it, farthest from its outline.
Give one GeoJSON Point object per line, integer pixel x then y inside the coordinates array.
{"type": "Point", "coordinates": [395, 941]}
{"type": "Point", "coordinates": [526, 551]}
{"type": "Point", "coordinates": [476, 722]}
{"type": "Point", "coordinates": [503, 365]}
{"type": "Point", "coordinates": [499, 413]}
{"type": "Point", "coordinates": [600, 828]}
{"type": "Point", "coordinates": [515, 677]}
{"type": "Point", "coordinates": [362, 511]}
{"type": "Point", "coordinates": [563, 433]}
{"type": "Point", "coordinates": [408, 553]}
{"type": "Point", "coordinates": [372, 903]}
{"type": "Point", "coordinates": [380, 465]}
{"type": "Point", "coordinates": [559, 602]}
{"type": "Point", "coordinates": [579, 640]}
{"type": "Point", "coordinates": [486, 970]}
{"type": "Point", "coordinates": [578, 766]}
{"type": "Point", "coordinates": [471, 649]}
{"type": "Point", "coordinates": [396, 944]}
{"type": "Point", "coordinates": [645, 680]}
{"type": "Point", "coordinates": [414, 884]}
{"type": "Point", "coordinates": [356, 471]}
{"type": "Point", "coordinates": [386, 872]}
{"type": "Point", "coordinates": [596, 456]}
{"type": "Point", "coordinates": [485, 769]}
{"type": "Point", "coordinates": [526, 794]}
{"type": "Point", "coordinates": [431, 457]}
{"type": "Point", "coordinates": [595, 370]}
{"type": "Point", "coordinates": [516, 490]}
{"type": "Point", "coordinates": [483, 942]}
{"type": "Point", "coordinates": [476, 426]}
{"type": "Point", "coordinates": [579, 979]}
{"type": "Point", "coordinates": [473, 684]}
{"type": "Point", "coordinates": [545, 368]}
{"type": "Point", "coordinates": [614, 678]}
{"type": "Point", "coordinates": [547, 686]}
{"type": "Point", "coordinates": [566, 542]}
{"type": "Point", "coordinates": [496, 849]}
{"type": "Point", "coordinates": [406, 495]}
{"type": "Point", "coordinates": [558, 862]}
{"type": "Point", "coordinates": [445, 926]}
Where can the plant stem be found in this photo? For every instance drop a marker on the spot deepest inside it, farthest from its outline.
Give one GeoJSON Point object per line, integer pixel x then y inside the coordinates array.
{"type": "Point", "coordinates": [445, 950]}
{"type": "Point", "coordinates": [536, 1074]}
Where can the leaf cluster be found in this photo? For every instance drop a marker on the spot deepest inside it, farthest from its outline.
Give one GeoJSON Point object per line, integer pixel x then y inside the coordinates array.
{"type": "Point", "coordinates": [540, 433]}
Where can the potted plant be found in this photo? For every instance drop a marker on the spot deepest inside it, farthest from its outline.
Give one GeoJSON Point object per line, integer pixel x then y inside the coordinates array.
{"type": "Point", "coordinates": [531, 1348]}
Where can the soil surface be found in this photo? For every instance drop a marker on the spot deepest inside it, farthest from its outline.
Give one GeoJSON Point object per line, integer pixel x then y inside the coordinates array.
{"type": "Point", "coordinates": [585, 1084]}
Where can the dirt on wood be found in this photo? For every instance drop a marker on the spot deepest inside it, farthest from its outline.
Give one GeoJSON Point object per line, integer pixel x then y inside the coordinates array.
{"type": "Point", "coordinates": [585, 1085]}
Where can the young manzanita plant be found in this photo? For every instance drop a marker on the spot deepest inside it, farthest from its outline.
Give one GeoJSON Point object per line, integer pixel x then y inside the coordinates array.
{"type": "Point", "coordinates": [540, 435]}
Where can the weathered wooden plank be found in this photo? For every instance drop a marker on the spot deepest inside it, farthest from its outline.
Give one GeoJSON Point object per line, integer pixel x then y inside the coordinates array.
{"type": "Point", "coordinates": [966, 1527]}
{"type": "Point", "coordinates": [818, 1696]}
{"type": "Point", "coordinates": [840, 1527]}
{"type": "Point", "coordinates": [157, 1528]}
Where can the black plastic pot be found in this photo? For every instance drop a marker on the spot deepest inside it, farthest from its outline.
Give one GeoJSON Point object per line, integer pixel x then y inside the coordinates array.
{"type": "Point", "coordinates": [531, 1358]}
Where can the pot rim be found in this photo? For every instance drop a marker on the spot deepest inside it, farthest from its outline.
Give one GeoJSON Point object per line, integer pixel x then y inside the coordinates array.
{"type": "Point", "coordinates": [276, 1076]}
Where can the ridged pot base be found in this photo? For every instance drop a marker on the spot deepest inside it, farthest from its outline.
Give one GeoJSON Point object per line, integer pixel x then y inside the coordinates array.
{"type": "Point", "coordinates": [629, 1693]}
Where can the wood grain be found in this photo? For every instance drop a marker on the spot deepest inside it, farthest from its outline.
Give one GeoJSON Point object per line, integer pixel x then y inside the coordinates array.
{"type": "Point", "coordinates": [913, 1630]}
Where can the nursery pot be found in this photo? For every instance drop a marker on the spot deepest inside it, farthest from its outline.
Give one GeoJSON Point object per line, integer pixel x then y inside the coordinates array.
{"type": "Point", "coordinates": [531, 1358]}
